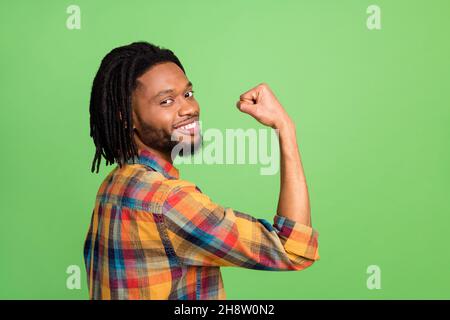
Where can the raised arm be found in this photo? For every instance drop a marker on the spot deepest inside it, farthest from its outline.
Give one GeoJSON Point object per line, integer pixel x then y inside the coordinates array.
{"type": "Point", "coordinates": [204, 233]}
{"type": "Point", "coordinates": [293, 201]}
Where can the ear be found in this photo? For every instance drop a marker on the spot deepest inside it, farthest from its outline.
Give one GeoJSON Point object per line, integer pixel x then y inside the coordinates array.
{"type": "Point", "coordinates": [134, 118]}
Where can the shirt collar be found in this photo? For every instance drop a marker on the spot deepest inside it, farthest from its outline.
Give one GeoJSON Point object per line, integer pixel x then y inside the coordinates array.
{"type": "Point", "coordinates": [150, 159]}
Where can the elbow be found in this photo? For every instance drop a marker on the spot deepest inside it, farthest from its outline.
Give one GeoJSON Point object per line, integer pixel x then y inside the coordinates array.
{"type": "Point", "coordinates": [302, 265]}
{"type": "Point", "coordinates": [302, 262]}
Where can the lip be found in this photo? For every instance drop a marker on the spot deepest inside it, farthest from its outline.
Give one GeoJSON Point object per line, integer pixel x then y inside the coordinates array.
{"type": "Point", "coordinates": [185, 122]}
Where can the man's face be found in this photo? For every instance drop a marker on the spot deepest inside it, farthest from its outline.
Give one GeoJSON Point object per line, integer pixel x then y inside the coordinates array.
{"type": "Point", "coordinates": [165, 111]}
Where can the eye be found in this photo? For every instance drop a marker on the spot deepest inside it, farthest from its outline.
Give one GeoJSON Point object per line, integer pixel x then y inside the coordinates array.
{"type": "Point", "coordinates": [166, 102]}
{"type": "Point", "coordinates": [189, 94]}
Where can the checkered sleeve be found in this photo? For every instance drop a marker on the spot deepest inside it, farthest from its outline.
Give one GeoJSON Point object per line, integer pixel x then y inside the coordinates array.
{"type": "Point", "coordinates": [204, 233]}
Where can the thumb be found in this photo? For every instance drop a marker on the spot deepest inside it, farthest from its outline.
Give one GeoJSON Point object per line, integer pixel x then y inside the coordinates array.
{"type": "Point", "coordinates": [249, 108]}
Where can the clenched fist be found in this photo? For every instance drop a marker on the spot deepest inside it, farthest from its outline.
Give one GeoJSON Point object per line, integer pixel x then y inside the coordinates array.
{"type": "Point", "coordinates": [261, 104]}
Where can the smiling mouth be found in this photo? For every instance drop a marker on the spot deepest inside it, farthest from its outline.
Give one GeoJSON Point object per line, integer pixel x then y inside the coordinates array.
{"type": "Point", "coordinates": [189, 128]}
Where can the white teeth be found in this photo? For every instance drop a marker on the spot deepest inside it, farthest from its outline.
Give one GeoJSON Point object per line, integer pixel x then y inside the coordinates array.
{"type": "Point", "coordinates": [188, 126]}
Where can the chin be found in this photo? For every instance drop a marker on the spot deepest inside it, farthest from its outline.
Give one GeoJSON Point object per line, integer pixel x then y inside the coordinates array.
{"type": "Point", "coordinates": [190, 146]}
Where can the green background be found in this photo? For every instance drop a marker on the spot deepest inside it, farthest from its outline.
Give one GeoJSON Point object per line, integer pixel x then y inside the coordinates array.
{"type": "Point", "coordinates": [372, 111]}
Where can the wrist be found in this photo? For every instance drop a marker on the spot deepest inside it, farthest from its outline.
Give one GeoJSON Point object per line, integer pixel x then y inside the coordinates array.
{"type": "Point", "coordinates": [285, 128]}
{"type": "Point", "coordinates": [284, 124]}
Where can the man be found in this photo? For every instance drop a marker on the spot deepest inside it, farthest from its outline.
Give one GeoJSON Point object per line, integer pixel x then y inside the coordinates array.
{"type": "Point", "coordinates": [155, 236]}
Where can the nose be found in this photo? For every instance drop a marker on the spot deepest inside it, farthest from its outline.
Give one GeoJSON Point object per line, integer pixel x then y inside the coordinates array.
{"type": "Point", "coordinates": [188, 108]}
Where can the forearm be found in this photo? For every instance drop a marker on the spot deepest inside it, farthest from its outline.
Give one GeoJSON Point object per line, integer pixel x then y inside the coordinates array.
{"type": "Point", "coordinates": [293, 202]}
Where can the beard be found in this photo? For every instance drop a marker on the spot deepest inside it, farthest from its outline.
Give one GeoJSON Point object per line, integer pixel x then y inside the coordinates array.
{"type": "Point", "coordinates": [176, 144]}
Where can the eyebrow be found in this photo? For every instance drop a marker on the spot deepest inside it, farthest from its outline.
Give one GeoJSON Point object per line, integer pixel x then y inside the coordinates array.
{"type": "Point", "coordinates": [161, 93]}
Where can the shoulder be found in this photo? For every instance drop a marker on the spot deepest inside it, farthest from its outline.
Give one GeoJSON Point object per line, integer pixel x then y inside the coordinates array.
{"type": "Point", "coordinates": [186, 197]}
{"type": "Point", "coordinates": [181, 186]}
{"type": "Point", "coordinates": [136, 186]}
{"type": "Point", "coordinates": [153, 187]}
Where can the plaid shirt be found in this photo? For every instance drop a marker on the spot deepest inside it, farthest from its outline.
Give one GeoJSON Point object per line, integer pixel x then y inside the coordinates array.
{"type": "Point", "coordinates": [154, 236]}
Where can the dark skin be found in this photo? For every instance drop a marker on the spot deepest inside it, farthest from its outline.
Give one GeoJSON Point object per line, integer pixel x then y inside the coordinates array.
{"type": "Point", "coordinates": [163, 100]}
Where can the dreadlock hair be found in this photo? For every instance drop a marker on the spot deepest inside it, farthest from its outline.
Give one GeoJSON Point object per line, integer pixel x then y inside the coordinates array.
{"type": "Point", "coordinates": [110, 103]}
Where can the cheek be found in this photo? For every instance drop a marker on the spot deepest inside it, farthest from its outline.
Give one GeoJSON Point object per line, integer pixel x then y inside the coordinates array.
{"type": "Point", "coordinates": [161, 119]}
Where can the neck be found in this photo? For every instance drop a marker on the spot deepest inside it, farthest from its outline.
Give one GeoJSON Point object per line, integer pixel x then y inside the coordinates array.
{"type": "Point", "coordinates": [161, 154]}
